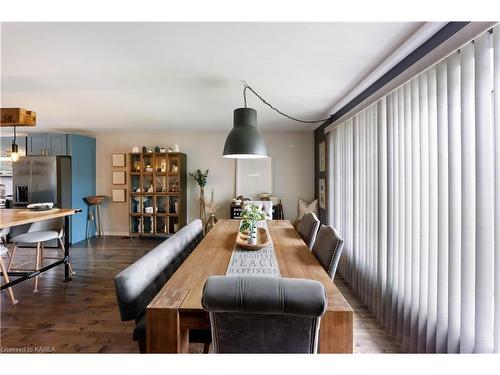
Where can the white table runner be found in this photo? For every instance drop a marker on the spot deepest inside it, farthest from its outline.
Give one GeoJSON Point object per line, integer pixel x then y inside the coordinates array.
{"type": "Point", "coordinates": [261, 262]}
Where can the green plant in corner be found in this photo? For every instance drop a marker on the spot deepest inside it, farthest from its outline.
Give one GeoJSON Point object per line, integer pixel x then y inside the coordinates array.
{"type": "Point", "coordinates": [201, 178]}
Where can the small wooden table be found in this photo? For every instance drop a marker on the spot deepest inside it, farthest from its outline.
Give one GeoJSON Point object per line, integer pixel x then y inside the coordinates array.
{"type": "Point", "coordinates": [10, 217]}
{"type": "Point", "coordinates": [177, 307]}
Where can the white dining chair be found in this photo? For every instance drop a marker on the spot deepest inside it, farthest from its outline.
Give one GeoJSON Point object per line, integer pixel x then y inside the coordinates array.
{"type": "Point", "coordinates": [4, 251]}
{"type": "Point", "coordinates": [38, 233]}
{"type": "Point", "coordinates": [3, 235]}
{"type": "Point", "coordinates": [265, 206]}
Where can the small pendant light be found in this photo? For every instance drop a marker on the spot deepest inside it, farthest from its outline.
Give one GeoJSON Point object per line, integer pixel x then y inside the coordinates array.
{"type": "Point", "coordinates": [14, 151]}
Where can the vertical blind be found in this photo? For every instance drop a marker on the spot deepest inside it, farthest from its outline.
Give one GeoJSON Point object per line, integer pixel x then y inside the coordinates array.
{"type": "Point", "coordinates": [414, 189]}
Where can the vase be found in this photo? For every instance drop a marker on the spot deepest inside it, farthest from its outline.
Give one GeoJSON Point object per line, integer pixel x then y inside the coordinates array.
{"type": "Point", "coordinates": [203, 213]}
{"type": "Point", "coordinates": [252, 236]}
{"type": "Point", "coordinates": [212, 220]}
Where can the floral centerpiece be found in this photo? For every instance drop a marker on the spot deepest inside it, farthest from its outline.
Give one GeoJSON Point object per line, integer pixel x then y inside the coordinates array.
{"type": "Point", "coordinates": [250, 214]}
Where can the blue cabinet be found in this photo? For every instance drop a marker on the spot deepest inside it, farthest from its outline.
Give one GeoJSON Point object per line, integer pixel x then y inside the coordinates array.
{"type": "Point", "coordinates": [47, 144]}
{"type": "Point", "coordinates": [57, 144]}
{"type": "Point", "coordinates": [83, 184]}
{"type": "Point", "coordinates": [82, 152]}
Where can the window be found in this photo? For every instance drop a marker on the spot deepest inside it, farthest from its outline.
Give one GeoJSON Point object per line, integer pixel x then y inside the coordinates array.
{"type": "Point", "coordinates": [415, 192]}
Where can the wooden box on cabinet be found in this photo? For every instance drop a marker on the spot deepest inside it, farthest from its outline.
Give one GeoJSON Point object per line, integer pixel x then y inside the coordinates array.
{"type": "Point", "coordinates": [157, 193]}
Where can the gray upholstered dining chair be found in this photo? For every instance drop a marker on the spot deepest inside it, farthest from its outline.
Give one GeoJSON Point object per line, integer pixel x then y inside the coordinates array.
{"type": "Point", "coordinates": [259, 314]}
{"type": "Point", "coordinates": [327, 249]}
{"type": "Point", "coordinates": [38, 233]}
{"type": "Point", "coordinates": [308, 228]}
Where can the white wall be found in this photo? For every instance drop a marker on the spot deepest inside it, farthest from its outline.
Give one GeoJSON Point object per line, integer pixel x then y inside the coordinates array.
{"type": "Point", "coordinates": [293, 162]}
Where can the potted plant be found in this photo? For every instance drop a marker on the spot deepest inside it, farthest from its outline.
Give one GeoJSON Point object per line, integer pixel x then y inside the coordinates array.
{"type": "Point", "coordinates": [250, 214]}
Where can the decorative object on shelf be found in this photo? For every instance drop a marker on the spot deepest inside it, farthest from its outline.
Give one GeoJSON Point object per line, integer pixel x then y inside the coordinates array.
{"type": "Point", "coordinates": [136, 207]}
{"type": "Point", "coordinates": [250, 214]}
{"type": "Point", "coordinates": [175, 169]}
{"type": "Point", "coordinates": [244, 141]}
{"type": "Point", "coordinates": [322, 157]}
{"type": "Point", "coordinates": [162, 150]}
{"type": "Point", "coordinates": [176, 148]}
{"type": "Point", "coordinates": [211, 207]}
{"type": "Point", "coordinates": [201, 178]}
{"type": "Point", "coordinates": [322, 193]}
{"type": "Point", "coordinates": [144, 149]}
{"type": "Point", "coordinates": [304, 207]}
{"type": "Point", "coordinates": [135, 150]}
{"type": "Point", "coordinates": [170, 149]}
{"type": "Point", "coordinates": [264, 196]}
{"type": "Point", "coordinates": [139, 227]}
{"type": "Point", "coordinates": [157, 149]}
{"type": "Point", "coordinates": [150, 150]}
{"type": "Point", "coordinates": [119, 178]}
{"type": "Point", "coordinates": [118, 195]}
{"type": "Point", "coordinates": [118, 160]}
{"type": "Point", "coordinates": [137, 165]}
{"type": "Point", "coordinates": [150, 189]}
{"type": "Point", "coordinates": [163, 166]}
{"type": "Point", "coordinates": [174, 187]}
{"type": "Point", "coordinates": [149, 168]}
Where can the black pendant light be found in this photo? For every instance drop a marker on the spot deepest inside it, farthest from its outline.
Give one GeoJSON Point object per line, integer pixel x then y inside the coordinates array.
{"type": "Point", "coordinates": [244, 141]}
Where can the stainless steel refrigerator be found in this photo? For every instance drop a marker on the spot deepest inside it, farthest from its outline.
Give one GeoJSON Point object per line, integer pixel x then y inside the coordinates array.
{"type": "Point", "coordinates": [37, 179]}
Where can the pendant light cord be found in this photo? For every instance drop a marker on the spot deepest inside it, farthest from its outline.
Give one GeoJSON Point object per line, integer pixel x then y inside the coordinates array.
{"type": "Point", "coordinates": [246, 86]}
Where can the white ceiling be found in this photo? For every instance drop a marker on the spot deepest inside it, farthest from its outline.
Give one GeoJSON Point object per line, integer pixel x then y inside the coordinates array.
{"type": "Point", "coordinates": [185, 76]}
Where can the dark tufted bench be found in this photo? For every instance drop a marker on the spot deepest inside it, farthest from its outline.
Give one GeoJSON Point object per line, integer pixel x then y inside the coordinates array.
{"type": "Point", "coordinates": [139, 283]}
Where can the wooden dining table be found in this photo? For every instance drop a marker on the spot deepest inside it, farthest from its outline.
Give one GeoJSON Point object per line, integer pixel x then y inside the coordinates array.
{"type": "Point", "coordinates": [177, 307]}
{"type": "Point", "coordinates": [11, 217]}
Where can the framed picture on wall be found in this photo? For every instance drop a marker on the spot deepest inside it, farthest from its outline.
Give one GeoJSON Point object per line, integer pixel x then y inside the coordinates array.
{"type": "Point", "coordinates": [322, 193]}
{"type": "Point", "coordinates": [119, 178]}
{"type": "Point", "coordinates": [322, 157]}
{"type": "Point", "coordinates": [254, 177]}
{"type": "Point", "coordinates": [118, 195]}
{"type": "Point", "coordinates": [118, 160]}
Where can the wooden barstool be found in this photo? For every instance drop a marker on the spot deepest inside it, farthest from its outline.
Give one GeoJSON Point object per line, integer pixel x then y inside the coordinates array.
{"type": "Point", "coordinates": [94, 214]}
{"type": "Point", "coordinates": [3, 269]}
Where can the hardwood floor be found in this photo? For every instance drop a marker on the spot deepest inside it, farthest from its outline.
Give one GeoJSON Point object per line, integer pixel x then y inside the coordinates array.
{"type": "Point", "coordinates": [369, 335]}
{"type": "Point", "coordinates": [82, 316]}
